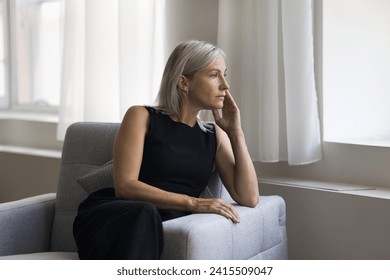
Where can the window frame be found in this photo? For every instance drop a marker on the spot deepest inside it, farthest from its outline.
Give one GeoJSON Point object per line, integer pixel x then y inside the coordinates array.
{"type": "Point", "coordinates": [355, 164]}
{"type": "Point", "coordinates": [10, 106]}
{"type": "Point", "coordinates": [360, 164]}
{"type": "Point", "coordinates": [380, 140]}
{"type": "Point", "coordinates": [6, 103]}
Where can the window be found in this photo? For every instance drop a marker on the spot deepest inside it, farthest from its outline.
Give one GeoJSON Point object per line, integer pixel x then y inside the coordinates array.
{"type": "Point", "coordinates": [33, 33]}
{"type": "Point", "coordinates": [3, 64]}
{"type": "Point", "coordinates": [366, 165]}
{"type": "Point", "coordinates": [356, 71]}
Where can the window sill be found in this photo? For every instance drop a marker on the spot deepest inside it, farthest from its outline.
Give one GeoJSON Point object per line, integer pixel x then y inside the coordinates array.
{"type": "Point", "coordinates": [29, 116]}
{"type": "Point", "coordinates": [30, 151]}
{"type": "Point", "coordinates": [342, 188]}
{"type": "Point", "coordinates": [379, 142]}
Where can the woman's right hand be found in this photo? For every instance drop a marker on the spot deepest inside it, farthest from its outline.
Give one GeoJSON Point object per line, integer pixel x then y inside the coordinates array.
{"type": "Point", "coordinates": [215, 205]}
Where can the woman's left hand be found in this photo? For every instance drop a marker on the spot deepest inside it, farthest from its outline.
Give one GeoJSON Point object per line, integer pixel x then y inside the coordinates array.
{"type": "Point", "coordinates": [232, 160]}
{"type": "Point", "coordinates": [230, 121]}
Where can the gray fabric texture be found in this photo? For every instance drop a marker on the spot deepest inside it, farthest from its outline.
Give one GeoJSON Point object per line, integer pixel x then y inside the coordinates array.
{"type": "Point", "coordinates": [97, 179]}
{"type": "Point", "coordinates": [41, 227]}
{"type": "Point", "coordinates": [209, 236]}
{"type": "Point", "coordinates": [26, 224]}
{"type": "Point", "coordinates": [43, 256]}
{"type": "Point", "coordinates": [87, 146]}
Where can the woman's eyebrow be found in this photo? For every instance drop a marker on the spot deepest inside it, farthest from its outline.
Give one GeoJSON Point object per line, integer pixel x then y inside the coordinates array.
{"type": "Point", "coordinates": [216, 69]}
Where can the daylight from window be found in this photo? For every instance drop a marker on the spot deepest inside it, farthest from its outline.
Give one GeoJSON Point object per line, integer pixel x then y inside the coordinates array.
{"type": "Point", "coordinates": [38, 45]}
{"type": "Point", "coordinates": [2, 57]}
{"type": "Point", "coordinates": [356, 71]}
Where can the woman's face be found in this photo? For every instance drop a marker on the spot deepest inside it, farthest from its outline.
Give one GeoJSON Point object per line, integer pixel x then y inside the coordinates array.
{"type": "Point", "coordinates": [207, 88]}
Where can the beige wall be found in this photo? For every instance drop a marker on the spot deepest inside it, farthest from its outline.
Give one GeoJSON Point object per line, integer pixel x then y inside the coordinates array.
{"type": "Point", "coordinates": [22, 176]}
{"type": "Point", "coordinates": [326, 225]}
{"type": "Point", "coordinates": [189, 19]}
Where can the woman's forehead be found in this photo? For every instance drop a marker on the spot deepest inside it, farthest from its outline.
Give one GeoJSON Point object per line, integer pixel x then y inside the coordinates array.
{"type": "Point", "coordinates": [218, 63]}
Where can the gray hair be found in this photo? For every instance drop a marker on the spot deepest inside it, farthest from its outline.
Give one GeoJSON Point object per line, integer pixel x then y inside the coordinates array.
{"type": "Point", "coordinates": [186, 59]}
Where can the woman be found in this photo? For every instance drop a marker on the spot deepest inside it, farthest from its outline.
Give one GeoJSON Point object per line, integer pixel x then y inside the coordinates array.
{"type": "Point", "coordinates": [163, 157]}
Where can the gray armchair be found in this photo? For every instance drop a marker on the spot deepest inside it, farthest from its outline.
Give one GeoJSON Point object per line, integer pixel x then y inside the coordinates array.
{"type": "Point", "coordinates": [40, 227]}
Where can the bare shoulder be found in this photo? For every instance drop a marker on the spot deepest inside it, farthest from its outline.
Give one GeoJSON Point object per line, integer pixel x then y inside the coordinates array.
{"type": "Point", "coordinates": [222, 138]}
{"type": "Point", "coordinates": [136, 115]}
{"type": "Point", "coordinates": [137, 112]}
{"type": "Point", "coordinates": [129, 141]}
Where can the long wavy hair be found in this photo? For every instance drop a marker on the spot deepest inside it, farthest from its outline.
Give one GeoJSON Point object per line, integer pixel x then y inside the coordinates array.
{"type": "Point", "coordinates": [186, 59]}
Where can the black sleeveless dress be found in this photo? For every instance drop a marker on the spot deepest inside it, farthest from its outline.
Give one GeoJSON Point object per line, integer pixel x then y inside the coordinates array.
{"type": "Point", "coordinates": [176, 158]}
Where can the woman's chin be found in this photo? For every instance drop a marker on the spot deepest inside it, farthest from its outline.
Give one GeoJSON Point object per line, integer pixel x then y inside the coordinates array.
{"type": "Point", "coordinates": [218, 105]}
{"type": "Point", "coordinates": [214, 106]}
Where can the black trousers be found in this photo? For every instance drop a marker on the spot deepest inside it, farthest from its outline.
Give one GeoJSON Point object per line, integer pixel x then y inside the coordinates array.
{"type": "Point", "coordinates": [109, 228]}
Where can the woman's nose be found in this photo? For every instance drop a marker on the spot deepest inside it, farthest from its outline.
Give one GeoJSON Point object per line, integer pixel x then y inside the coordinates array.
{"type": "Point", "coordinates": [224, 85]}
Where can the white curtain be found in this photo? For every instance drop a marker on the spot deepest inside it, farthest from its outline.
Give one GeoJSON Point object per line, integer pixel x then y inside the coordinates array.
{"type": "Point", "coordinates": [269, 46]}
{"type": "Point", "coordinates": [113, 58]}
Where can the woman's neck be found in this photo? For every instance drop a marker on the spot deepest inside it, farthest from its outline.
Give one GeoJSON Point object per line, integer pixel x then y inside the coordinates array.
{"type": "Point", "coordinates": [187, 116]}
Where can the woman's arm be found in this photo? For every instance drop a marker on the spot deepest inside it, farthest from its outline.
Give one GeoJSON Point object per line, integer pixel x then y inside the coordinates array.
{"type": "Point", "coordinates": [128, 152]}
{"type": "Point", "coordinates": [233, 161]}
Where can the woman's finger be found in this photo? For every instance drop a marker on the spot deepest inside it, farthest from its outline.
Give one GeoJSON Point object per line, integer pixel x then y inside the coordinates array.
{"type": "Point", "coordinates": [233, 211]}
{"type": "Point", "coordinates": [218, 206]}
{"type": "Point", "coordinates": [216, 115]}
{"type": "Point", "coordinates": [228, 210]}
{"type": "Point", "coordinates": [229, 100]}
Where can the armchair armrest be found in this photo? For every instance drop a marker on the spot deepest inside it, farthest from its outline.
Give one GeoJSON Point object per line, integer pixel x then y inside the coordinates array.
{"type": "Point", "coordinates": [25, 225]}
{"type": "Point", "coordinates": [211, 236]}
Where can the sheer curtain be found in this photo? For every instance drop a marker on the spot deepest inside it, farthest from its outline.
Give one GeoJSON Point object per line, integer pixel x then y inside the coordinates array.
{"type": "Point", "coordinates": [113, 58]}
{"type": "Point", "coordinates": [269, 46]}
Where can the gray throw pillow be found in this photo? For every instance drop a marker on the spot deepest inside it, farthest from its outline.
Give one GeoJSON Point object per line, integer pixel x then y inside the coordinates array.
{"type": "Point", "coordinates": [206, 193]}
{"type": "Point", "coordinates": [97, 179]}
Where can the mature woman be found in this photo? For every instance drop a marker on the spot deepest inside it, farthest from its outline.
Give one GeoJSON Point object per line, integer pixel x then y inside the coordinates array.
{"type": "Point", "coordinates": [163, 158]}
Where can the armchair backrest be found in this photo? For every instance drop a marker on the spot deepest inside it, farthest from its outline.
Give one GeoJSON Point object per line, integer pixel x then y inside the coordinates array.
{"type": "Point", "coordinates": [87, 146]}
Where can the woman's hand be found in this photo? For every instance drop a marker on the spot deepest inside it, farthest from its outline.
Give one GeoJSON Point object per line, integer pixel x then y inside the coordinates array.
{"type": "Point", "coordinates": [230, 121]}
{"type": "Point", "coordinates": [232, 161]}
{"type": "Point", "coordinates": [215, 205]}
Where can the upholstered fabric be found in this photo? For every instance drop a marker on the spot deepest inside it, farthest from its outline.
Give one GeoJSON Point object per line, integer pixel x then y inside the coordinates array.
{"type": "Point", "coordinates": [43, 256]}
{"type": "Point", "coordinates": [87, 146]}
{"type": "Point", "coordinates": [98, 179]}
{"type": "Point", "coordinates": [26, 224]}
{"type": "Point", "coordinates": [41, 227]}
{"type": "Point", "coordinates": [194, 237]}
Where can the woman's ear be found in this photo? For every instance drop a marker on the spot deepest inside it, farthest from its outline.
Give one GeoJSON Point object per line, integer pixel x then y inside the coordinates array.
{"type": "Point", "coordinates": [183, 84]}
